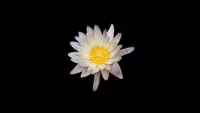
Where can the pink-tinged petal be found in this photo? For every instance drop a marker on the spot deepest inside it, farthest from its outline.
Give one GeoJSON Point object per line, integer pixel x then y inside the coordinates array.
{"type": "Point", "coordinates": [77, 69]}
{"type": "Point", "coordinates": [116, 71]}
{"type": "Point", "coordinates": [126, 51]}
{"type": "Point", "coordinates": [105, 74]}
{"type": "Point", "coordinates": [85, 73]}
{"type": "Point", "coordinates": [74, 44]}
{"type": "Point", "coordinates": [96, 81]}
{"type": "Point", "coordinates": [110, 32]}
{"type": "Point", "coordinates": [77, 38]}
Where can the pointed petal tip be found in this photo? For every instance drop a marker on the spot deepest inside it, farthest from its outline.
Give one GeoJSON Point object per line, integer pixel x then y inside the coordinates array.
{"type": "Point", "coordinates": [88, 27]}
{"type": "Point", "coordinates": [71, 73]}
{"type": "Point", "coordinates": [131, 49]}
{"type": "Point", "coordinates": [94, 89]}
{"type": "Point", "coordinates": [110, 32]}
{"type": "Point", "coordinates": [112, 24]}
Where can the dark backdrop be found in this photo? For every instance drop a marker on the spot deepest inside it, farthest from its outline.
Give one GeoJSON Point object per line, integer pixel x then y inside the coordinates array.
{"type": "Point", "coordinates": [50, 28]}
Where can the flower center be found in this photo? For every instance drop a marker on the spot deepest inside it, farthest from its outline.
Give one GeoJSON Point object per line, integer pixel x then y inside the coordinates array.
{"type": "Point", "coordinates": [99, 54]}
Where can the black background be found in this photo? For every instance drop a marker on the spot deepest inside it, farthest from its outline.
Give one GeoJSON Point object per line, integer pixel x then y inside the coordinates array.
{"type": "Point", "coordinates": [49, 27]}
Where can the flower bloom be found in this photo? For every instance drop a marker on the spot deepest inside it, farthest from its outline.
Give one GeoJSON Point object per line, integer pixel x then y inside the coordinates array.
{"type": "Point", "coordinates": [98, 54]}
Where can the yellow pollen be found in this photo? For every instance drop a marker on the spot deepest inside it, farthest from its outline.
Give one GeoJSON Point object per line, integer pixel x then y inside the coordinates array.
{"type": "Point", "coordinates": [99, 54]}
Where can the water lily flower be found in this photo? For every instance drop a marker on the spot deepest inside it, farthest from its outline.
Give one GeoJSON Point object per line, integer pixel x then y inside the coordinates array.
{"type": "Point", "coordinates": [98, 54]}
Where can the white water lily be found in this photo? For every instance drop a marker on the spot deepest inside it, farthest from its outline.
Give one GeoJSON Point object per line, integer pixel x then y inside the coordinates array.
{"type": "Point", "coordinates": [98, 54]}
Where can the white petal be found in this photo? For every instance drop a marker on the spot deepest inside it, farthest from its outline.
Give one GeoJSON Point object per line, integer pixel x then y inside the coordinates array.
{"type": "Point", "coordinates": [96, 81]}
{"type": "Point", "coordinates": [111, 47]}
{"type": "Point", "coordinates": [116, 39]}
{"type": "Point", "coordinates": [84, 63]}
{"type": "Point", "coordinates": [105, 33]}
{"type": "Point", "coordinates": [126, 51]}
{"type": "Point", "coordinates": [90, 36]}
{"type": "Point", "coordinates": [74, 44]}
{"type": "Point", "coordinates": [95, 70]}
{"type": "Point", "coordinates": [109, 61]}
{"type": "Point", "coordinates": [97, 32]}
{"type": "Point", "coordinates": [91, 66]}
{"type": "Point", "coordinates": [108, 67]}
{"type": "Point", "coordinates": [84, 55]}
{"type": "Point", "coordinates": [105, 74]}
{"type": "Point", "coordinates": [73, 54]}
{"type": "Point", "coordinates": [82, 35]}
{"type": "Point", "coordinates": [116, 71]}
{"type": "Point", "coordinates": [85, 73]}
{"type": "Point", "coordinates": [117, 58]}
{"type": "Point", "coordinates": [104, 37]}
{"type": "Point", "coordinates": [110, 32]}
{"type": "Point", "coordinates": [81, 40]}
{"type": "Point", "coordinates": [102, 66]}
{"type": "Point", "coordinates": [75, 59]}
{"type": "Point", "coordinates": [77, 69]}
{"type": "Point", "coordinates": [89, 29]}
{"type": "Point", "coordinates": [82, 49]}
{"type": "Point", "coordinates": [115, 51]}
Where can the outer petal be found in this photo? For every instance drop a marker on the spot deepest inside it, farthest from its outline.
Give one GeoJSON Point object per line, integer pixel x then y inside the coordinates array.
{"type": "Point", "coordinates": [89, 30]}
{"type": "Point", "coordinates": [90, 36]}
{"type": "Point", "coordinates": [105, 74]}
{"type": "Point", "coordinates": [74, 44]}
{"type": "Point", "coordinates": [116, 71]}
{"type": "Point", "coordinates": [96, 81]}
{"type": "Point", "coordinates": [77, 38]}
{"type": "Point", "coordinates": [77, 69]}
{"type": "Point", "coordinates": [126, 51]}
{"type": "Point", "coordinates": [116, 39]}
{"type": "Point", "coordinates": [82, 36]}
{"type": "Point", "coordinates": [81, 40]}
{"type": "Point", "coordinates": [75, 59]}
{"type": "Point", "coordinates": [110, 32]}
{"type": "Point", "coordinates": [73, 54]}
{"type": "Point", "coordinates": [97, 32]}
{"type": "Point", "coordinates": [104, 36]}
